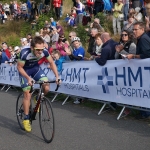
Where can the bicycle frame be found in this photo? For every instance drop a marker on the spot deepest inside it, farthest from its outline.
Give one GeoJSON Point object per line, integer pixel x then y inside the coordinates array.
{"type": "Point", "coordinates": [40, 96]}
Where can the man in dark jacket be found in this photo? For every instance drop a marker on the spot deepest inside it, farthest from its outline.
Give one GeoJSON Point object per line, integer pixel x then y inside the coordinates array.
{"type": "Point", "coordinates": [142, 52]}
{"type": "Point", "coordinates": [108, 49]}
{"type": "Point", "coordinates": [143, 42]}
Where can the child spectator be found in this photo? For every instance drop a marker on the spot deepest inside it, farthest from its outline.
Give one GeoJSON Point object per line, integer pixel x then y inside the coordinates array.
{"type": "Point", "coordinates": [58, 60]}
{"type": "Point", "coordinates": [71, 21]}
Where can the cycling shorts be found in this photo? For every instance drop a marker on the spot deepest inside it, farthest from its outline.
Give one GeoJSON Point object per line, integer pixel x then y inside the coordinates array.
{"type": "Point", "coordinates": [36, 73]}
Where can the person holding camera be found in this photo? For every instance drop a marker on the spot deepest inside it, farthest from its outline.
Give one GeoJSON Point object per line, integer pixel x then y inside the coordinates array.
{"type": "Point", "coordinates": [126, 45]}
{"type": "Point", "coordinates": [61, 45]}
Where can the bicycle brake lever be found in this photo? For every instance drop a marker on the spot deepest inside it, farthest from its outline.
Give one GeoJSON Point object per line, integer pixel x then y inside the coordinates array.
{"type": "Point", "coordinates": [57, 85]}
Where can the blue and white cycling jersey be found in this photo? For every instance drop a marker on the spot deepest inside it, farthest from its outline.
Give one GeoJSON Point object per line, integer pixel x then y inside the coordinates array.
{"type": "Point", "coordinates": [29, 59]}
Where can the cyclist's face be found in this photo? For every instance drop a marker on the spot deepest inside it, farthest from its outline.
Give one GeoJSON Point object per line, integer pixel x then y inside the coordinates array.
{"type": "Point", "coordinates": [38, 49]}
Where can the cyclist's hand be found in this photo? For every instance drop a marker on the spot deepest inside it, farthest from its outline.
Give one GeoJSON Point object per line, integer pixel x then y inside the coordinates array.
{"type": "Point", "coordinates": [58, 81]}
{"type": "Point", "coordinates": [30, 82]}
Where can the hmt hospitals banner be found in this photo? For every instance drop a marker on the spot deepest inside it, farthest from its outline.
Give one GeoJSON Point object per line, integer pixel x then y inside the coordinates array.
{"type": "Point", "coordinates": [120, 81]}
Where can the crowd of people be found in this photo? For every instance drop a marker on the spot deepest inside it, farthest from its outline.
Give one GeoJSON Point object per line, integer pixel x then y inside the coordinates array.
{"type": "Point", "coordinates": [134, 35]}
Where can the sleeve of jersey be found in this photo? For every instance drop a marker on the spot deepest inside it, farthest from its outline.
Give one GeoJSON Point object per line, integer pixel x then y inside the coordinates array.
{"type": "Point", "coordinates": [22, 57]}
{"type": "Point", "coordinates": [46, 53]}
{"type": "Point", "coordinates": [81, 52]}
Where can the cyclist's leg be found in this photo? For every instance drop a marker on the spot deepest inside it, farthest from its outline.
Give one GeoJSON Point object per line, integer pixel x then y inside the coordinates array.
{"type": "Point", "coordinates": [26, 102]}
{"type": "Point", "coordinates": [40, 75]}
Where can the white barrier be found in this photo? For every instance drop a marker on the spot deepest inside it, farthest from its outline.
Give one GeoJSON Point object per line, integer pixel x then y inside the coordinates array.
{"type": "Point", "coordinates": [120, 81]}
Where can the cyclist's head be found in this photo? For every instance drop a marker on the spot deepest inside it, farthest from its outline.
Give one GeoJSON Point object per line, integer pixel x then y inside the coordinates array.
{"type": "Point", "coordinates": [37, 40]}
{"type": "Point", "coordinates": [37, 45]}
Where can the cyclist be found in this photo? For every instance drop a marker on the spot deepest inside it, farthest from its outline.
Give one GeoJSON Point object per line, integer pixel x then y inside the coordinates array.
{"type": "Point", "coordinates": [28, 67]}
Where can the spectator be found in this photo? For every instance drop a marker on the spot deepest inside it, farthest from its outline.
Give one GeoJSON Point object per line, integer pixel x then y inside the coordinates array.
{"type": "Point", "coordinates": [97, 48]}
{"type": "Point", "coordinates": [79, 11]}
{"type": "Point", "coordinates": [143, 42]}
{"type": "Point", "coordinates": [61, 45]}
{"type": "Point", "coordinates": [73, 12]}
{"type": "Point", "coordinates": [77, 54]}
{"type": "Point", "coordinates": [98, 6]}
{"type": "Point", "coordinates": [72, 34]}
{"type": "Point", "coordinates": [55, 36]}
{"type": "Point", "coordinates": [90, 4]}
{"type": "Point", "coordinates": [135, 3]}
{"type": "Point", "coordinates": [125, 9]}
{"type": "Point", "coordinates": [57, 5]}
{"type": "Point", "coordinates": [131, 11]}
{"type": "Point", "coordinates": [6, 9]}
{"type": "Point", "coordinates": [59, 28]}
{"type": "Point", "coordinates": [147, 19]}
{"type": "Point", "coordinates": [71, 21]}
{"type": "Point", "coordinates": [3, 57]}
{"type": "Point", "coordinates": [12, 58]}
{"type": "Point", "coordinates": [96, 24]}
{"type": "Point", "coordinates": [29, 37]}
{"type": "Point", "coordinates": [24, 43]}
{"type": "Point", "coordinates": [17, 51]}
{"type": "Point", "coordinates": [47, 25]}
{"type": "Point", "coordinates": [11, 7]}
{"type": "Point", "coordinates": [29, 8]}
{"type": "Point", "coordinates": [117, 11]}
{"type": "Point", "coordinates": [138, 15]}
{"type": "Point", "coordinates": [6, 50]}
{"type": "Point", "coordinates": [93, 33]}
{"type": "Point", "coordinates": [142, 52]}
{"type": "Point", "coordinates": [108, 49]}
{"type": "Point", "coordinates": [46, 36]}
{"type": "Point", "coordinates": [129, 25]}
{"type": "Point", "coordinates": [52, 23]}
{"type": "Point", "coordinates": [126, 45]}
{"type": "Point", "coordinates": [58, 60]}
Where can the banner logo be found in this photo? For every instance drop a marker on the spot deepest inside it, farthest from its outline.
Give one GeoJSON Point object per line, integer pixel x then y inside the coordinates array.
{"type": "Point", "coordinates": [105, 80]}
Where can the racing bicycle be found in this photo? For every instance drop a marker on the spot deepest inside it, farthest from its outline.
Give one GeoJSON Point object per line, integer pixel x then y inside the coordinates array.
{"type": "Point", "coordinates": [43, 105]}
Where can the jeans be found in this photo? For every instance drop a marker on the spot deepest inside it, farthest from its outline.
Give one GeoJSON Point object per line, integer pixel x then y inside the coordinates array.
{"type": "Point", "coordinates": [125, 11]}
{"type": "Point", "coordinates": [116, 25]}
{"type": "Point", "coordinates": [79, 19]}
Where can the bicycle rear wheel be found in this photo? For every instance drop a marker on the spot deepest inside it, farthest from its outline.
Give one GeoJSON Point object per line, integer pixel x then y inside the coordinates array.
{"type": "Point", "coordinates": [46, 120]}
{"type": "Point", "coordinates": [20, 110]}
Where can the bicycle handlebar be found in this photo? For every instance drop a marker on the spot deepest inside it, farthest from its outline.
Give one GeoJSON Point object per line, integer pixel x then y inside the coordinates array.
{"type": "Point", "coordinates": [42, 82]}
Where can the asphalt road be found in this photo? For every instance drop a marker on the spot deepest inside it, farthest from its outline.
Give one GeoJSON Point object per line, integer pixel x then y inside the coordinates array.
{"type": "Point", "coordinates": [77, 128]}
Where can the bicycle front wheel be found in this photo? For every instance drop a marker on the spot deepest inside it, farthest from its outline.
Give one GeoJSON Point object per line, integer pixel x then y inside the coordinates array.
{"type": "Point", "coordinates": [46, 120]}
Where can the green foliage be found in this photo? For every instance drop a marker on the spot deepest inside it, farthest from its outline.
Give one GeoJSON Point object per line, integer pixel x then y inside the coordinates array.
{"type": "Point", "coordinates": [102, 17]}
{"type": "Point", "coordinates": [13, 41]}
{"type": "Point", "coordinates": [105, 21]}
{"type": "Point", "coordinates": [42, 19]}
{"type": "Point", "coordinates": [25, 29]}
{"type": "Point", "coordinates": [82, 34]}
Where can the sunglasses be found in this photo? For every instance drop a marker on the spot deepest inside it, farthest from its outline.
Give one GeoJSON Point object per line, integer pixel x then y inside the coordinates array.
{"type": "Point", "coordinates": [124, 34]}
{"type": "Point", "coordinates": [38, 49]}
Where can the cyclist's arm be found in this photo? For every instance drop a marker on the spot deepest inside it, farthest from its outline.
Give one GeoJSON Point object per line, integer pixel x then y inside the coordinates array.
{"type": "Point", "coordinates": [20, 65]}
{"type": "Point", "coordinates": [53, 66]}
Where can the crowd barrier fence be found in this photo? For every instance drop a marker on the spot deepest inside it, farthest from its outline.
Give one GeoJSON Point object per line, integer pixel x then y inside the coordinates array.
{"type": "Point", "coordinates": [125, 82]}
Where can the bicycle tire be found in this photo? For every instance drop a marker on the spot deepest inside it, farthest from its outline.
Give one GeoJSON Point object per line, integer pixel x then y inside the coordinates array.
{"type": "Point", "coordinates": [20, 110]}
{"type": "Point", "coordinates": [46, 120]}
